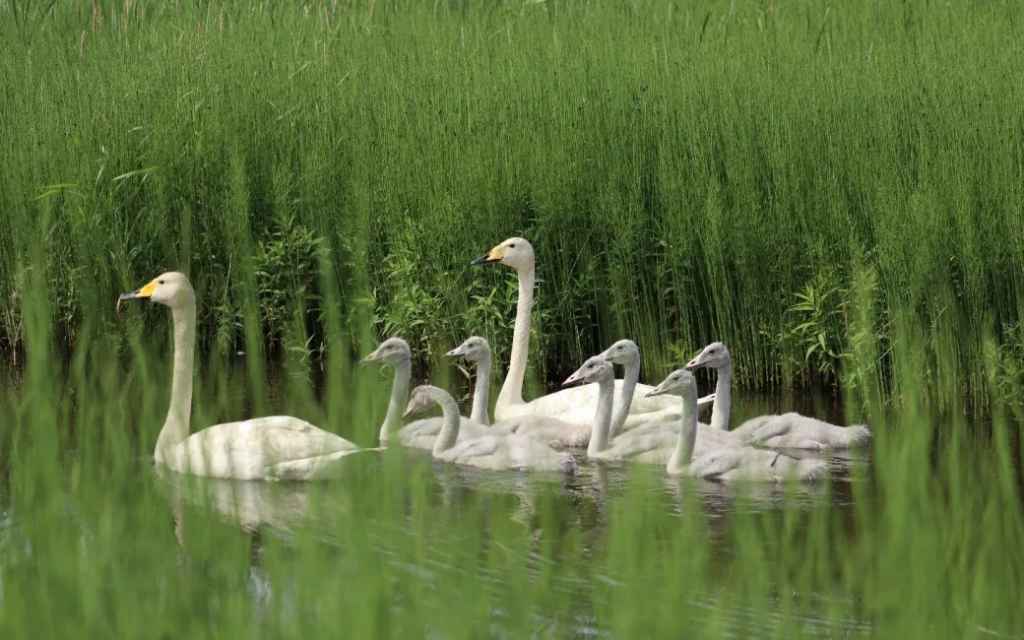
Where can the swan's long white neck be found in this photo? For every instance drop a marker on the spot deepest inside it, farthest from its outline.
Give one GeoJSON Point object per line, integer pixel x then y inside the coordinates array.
{"type": "Point", "coordinates": [602, 418]}
{"type": "Point", "coordinates": [399, 396]}
{"type": "Point", "coordinates": [723, 398]}
{"type": "Point", "coordinates": [176, 426]}
{"type": "Point", "coordinates": [512, 390]}
{"type": "Point", "coordinates": [450, 429]}
{"type": "Point", "coordinates": [629, 380]}
{"type": "Point", "coordinates": [481, 391]}
{"type": "Point", "coordinates": [683, 453]}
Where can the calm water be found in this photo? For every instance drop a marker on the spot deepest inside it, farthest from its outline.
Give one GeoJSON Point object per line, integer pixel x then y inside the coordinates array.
{"type": "Point", "coordinates": [284, 510]}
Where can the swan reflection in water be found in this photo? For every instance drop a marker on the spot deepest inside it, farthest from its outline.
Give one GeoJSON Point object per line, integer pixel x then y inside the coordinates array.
{"type": "Point", "coordinates": [259, 508]}
{"type": "Point", "coordinates": [544, 504]}
{"type": "Point", "coordinates": [290, 507]}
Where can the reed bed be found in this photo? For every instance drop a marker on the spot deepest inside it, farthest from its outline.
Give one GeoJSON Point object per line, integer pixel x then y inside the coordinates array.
{"type": "Point", "coordinates": [687, 173]}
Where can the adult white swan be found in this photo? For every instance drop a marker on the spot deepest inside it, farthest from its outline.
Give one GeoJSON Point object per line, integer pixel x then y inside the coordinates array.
{"type": "Point", "coordinates": [256, 449]}
{"type": "Point", "coordinates": [788, 430]}
{"type": "Point", "coordinates": [575, 405]}
{"type": "Point", "coordinates": [421, 434]}
{"type": "Point", "coordinates": [494, 452]}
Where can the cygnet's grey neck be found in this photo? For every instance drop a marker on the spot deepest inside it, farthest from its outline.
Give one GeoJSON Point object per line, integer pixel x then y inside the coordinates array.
{"type": "Point", "coordinates": [481, 391]}
{"type": "Point", "coordinates": [399, 398]}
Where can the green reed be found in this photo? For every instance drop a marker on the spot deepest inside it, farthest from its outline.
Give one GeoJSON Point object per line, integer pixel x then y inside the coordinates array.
{"type": "Point", "coordinates": [686, 172]}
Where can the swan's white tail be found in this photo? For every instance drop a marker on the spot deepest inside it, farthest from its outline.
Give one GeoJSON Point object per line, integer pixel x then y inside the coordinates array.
{"type": "Point", "coordinates": [858, 435]}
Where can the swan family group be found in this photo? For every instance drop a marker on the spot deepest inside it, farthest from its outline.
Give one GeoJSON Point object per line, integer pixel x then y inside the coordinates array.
{"type": "Point", "coordinates": [612, 419]}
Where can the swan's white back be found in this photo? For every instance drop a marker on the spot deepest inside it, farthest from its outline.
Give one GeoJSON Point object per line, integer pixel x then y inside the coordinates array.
{"type": "Point", "coordinates": [249, 449]}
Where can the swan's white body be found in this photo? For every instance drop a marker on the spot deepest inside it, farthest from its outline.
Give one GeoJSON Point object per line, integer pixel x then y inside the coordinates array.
{"type": "Point", "coordinates": [275, 447]}
{"type": "Point", "coordinates": [685, 453]}
{"type": "Point", "coordinates": [788, 430]}
{"type": "Point", "coordinates": [493, 452]}
{"type": "Point", "coordinates": [256, 449]}
{"type": "Point", "coordinates": [572, 406]}
{"type": "Point", "coordinates": [753, 465]}
{"type": "Point", "coordinates": [549, 430]}
{"type": "Point", "coordinates": [421, 434]}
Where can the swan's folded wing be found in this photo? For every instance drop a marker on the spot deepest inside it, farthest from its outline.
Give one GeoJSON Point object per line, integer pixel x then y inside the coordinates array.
{"type": "Point", "coordinates": [746, 430]}
{"type": "Point", "coordinates": [422, 433]}
{"type": "Point", "coordinates": [244, 449]}
{"type": "Point", "coordinates": [476, 448]}
{"type": "Point", "coordinates": [424, 427]}
{"type": "Point", "coordinates": [773, 427]}
{"type": "Point", "coordinates": [716, 464]}
{"type": "Point", "coordinates": [576, 405]}
{"type": "Point", "coordinates": [286, 438]}
{"type": "Point", "coordinates": [528, 453]}
{"type": "Point", "coordinates": [646, 447]}
{"type": "Point", "coordinates": [792, 430]}
{"type": "Point", "coordinates": [316, 468]}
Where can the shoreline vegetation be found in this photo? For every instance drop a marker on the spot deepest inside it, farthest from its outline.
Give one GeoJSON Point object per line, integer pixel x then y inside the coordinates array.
{"type": "Point", "coordinates": [802, 182]}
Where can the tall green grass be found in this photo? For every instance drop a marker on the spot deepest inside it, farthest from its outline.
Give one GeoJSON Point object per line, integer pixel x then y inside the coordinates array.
{"type": "Point", "coordinates": [834, 190]}
{"type": "Point", "coordinates": [687, 172]}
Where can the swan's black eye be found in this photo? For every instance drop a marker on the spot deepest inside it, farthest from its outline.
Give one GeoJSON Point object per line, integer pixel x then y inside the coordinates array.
{"type": "Point", "coordinates": [159, 281]}
{"type": "Point", "coordinates": [512, 246]}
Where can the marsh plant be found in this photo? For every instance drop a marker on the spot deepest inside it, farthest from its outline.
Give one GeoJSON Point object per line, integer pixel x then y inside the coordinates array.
{"type": "Point", "coordinates": [663, 202]}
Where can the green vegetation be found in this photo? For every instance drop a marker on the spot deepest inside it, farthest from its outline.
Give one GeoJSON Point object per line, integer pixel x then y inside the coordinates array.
{"type": "Point", "coordinates": [833, 189]}
{"type": "Point", "coordinates": [686, 171]}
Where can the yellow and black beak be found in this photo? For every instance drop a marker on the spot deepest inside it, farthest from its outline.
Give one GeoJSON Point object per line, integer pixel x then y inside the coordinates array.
{"type": "Point", "coordinates": [145, 293]}
{"type": "Point", "coordinates": [494, 255]}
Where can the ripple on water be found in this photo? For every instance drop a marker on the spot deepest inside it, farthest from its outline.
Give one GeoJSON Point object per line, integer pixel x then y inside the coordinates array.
{"type": "Point", "coordinates": [582, 505]}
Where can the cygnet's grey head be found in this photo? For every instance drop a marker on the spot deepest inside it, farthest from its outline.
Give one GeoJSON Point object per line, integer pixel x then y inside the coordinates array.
{"type": "Point", "coordinates": [392, 351]}
{"type": "Point", "coordinates": [714, 356]}
{"type": "Point", "coordinates": [595, 369]}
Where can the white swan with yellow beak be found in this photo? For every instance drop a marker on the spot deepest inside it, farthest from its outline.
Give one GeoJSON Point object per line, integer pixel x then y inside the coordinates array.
{"type": "Point", "coordinates": [575, 405]}
{"type": "Point", "coordinates": [274, 447]}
